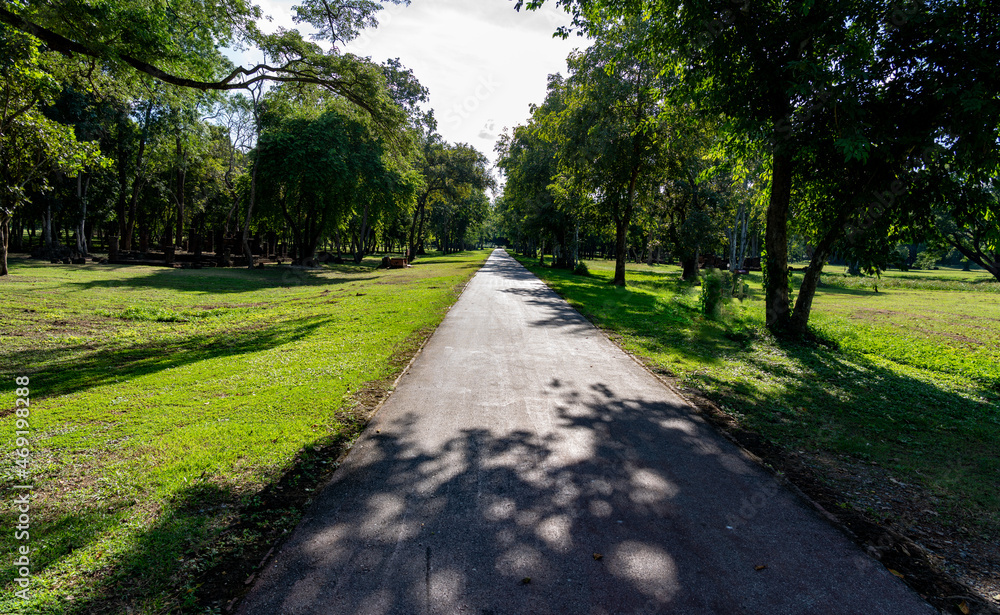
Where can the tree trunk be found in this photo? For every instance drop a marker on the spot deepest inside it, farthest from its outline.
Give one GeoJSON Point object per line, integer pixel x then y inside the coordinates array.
{"type": "Point", "coordinates": [47, 228]}
{"type": "Point", "coordinates": [420, 232]}
{"type": "Point", "coordinates": [246, 222]}
{"type": "Point", "coordinates": [4, 242]}
{"type": "Point", "coordinates": [776, 244]}
{"type": "Point", "coordinates": [411, 249]}
{"type": "Point", "coordinates": [181, 174]}
{"type": "Point", "coordinates": [621, 236]}
{"type": "Point", "coordinates": [137, 181]}
{"type": "Point", "coordinates": [576, 244]}
{"type": "Point", "coordinates": [197, 233]}
{"type": "Point", "coordinates": [798, 325]}
{"type": "Point", "coordinates": [16, 241]}
{"type": "Point", "coordinates": [689, 267]}
{"type": "Point", "coordinates": [742, 256]}
{"type": "Point", "coordinates": [359, 255]}
{"type": "Point", "coordinates": [121, 206]}
{"type": "Point", "coordinates": [337, 243]}
{"type": "Point", "coordinates": [799, 321]}
{"type": "Point", "coordinates": [980, 259]}
{"type": "Point", "coordinates": [621, 231]}
{"type": "Point", "coordinates": [168, 245]}
{"type": "Point", "coordinates": [144, 233]}
{"type": "Point", "coordinates": [81, 195]}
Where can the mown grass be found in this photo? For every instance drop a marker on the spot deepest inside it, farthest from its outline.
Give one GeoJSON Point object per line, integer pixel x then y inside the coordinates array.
{"type": "Point", "coordinates": [163, 401]}
{"type": "Point", "coordinates": [908, 378]}
{"type": "Point", "coordinates": [945, 278]}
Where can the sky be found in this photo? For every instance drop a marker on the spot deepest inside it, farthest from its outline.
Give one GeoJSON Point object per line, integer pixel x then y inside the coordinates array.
{"type": "Point", "coordinates": [482, 61]}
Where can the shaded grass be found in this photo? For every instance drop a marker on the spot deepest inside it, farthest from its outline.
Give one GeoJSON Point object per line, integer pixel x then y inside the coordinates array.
{"type": "Point", "coordinates": [164, 402]}
{"type": "Point", "coordinates": [904, 378]}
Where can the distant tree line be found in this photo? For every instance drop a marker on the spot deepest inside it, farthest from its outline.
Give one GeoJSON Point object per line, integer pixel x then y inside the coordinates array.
{"type": "Point", "coordinates": [124, 130]}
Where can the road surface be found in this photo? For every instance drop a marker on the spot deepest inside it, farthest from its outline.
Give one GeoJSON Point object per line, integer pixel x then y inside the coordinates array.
{"type": "Point", "coordinates": [525, 464]}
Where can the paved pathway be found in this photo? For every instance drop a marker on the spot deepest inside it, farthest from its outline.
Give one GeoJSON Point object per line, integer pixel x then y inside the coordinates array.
{"type": "Point", "coordinates": [526, 465]}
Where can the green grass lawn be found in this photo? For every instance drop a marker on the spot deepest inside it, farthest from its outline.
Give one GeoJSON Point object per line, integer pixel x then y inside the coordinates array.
{"type": "Point", "coordinates": [908, 377]}
{"type": "Point", "coordinates": [944, 278]}
{"type": "Point", "coordinates": [164, 401]}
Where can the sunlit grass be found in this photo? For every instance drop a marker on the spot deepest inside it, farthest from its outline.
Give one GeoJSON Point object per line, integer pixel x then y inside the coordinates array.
{"type": "Point", "coordinates": [163, 399]}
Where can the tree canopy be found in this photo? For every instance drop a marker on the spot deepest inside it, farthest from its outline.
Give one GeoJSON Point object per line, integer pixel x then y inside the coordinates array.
{"type": "Point", "coordinates": [125, 121]}
{"type": "Point", "coordinates": [180, 43]}
{"type": "Point", "coordinates": [851, 101]}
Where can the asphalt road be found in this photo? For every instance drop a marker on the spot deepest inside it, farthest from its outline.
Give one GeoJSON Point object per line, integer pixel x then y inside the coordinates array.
{"type": "Point", "coordinates": [525, 464]}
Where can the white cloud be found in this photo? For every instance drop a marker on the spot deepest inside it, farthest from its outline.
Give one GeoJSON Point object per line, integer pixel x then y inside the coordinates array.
{"type": "Point", "coordinates": [482, 61]}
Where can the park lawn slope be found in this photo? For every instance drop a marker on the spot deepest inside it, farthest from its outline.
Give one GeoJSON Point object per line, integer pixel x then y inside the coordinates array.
{"type": "Point", "coordinates": [896, 404]}
{"type": "Point", "coordinates": [165, 402]}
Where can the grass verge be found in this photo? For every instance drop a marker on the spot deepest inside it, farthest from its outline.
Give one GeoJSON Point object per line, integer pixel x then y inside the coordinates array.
{"type": "Point", "coordinates": [180, 419]}
{"type": "Point", "coordinates": [895, 409]}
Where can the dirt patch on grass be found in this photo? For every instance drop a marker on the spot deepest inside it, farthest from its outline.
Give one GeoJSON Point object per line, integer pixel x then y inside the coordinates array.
{"type": "Point", "coordinates": [230, 306]}
{"type": "Point", "coordinates": [949, 566]}
{"type": "Point", "coordinates": [871, 312]}
{"type": "Point", "coordinates": [952, 336]}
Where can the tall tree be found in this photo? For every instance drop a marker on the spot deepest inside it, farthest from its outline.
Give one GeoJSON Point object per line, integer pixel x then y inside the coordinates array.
{"type": "Point", "coordinates": [872, 83]}
{"type": "Point", "coordinates": [540, 201]}
{"type": "Point", "coordinates": [446, 171]}
{"type": "Point", "coordinates": [316, 169]}
{"type": "Point", "coordinates": [32, 145]}
{"type": "Point", "coordinates": [611, 134]}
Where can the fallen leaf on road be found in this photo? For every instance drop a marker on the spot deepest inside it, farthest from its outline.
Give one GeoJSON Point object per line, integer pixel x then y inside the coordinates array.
{"type": "Point", "coordinates": [761, 567]}
{"type": "Point", "coordinates": [598, 556]}
{"type": "Point", "coordinates": [896, 572]}
{"type": "Point", "coordinates": [964, 607]}
{"type": "Point", "coordinates": [525, 580]}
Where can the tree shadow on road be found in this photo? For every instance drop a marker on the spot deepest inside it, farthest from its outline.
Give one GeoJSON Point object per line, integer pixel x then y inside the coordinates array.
{"type": "Point", "coordinates": [612, 504]}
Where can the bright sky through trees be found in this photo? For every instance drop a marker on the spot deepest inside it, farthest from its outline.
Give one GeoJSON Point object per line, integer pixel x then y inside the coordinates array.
{"type": "Point", "coordinates": [482, 61]}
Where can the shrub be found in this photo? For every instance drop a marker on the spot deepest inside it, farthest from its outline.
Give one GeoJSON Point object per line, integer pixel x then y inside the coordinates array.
{"type": "Point", "coordinates": [901, 258]}
{"type": "Point", "coordinates": [714, 288]}
{"type": "Point", "coordinates": [581, 268]}
{"type": "Point", "coordinates": [927, 259]}
{"type": "Point", "coordinates": [738, 288]}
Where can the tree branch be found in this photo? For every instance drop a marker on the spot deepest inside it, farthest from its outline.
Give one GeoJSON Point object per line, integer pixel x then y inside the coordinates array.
{"type": "Point", "coordinates": [261, 72]}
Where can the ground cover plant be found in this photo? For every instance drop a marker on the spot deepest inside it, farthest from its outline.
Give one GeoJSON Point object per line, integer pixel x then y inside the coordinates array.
{"type": "Point", "coordinates": [181, 418]}
{"type": "Point", "coordinates": [897, 387]}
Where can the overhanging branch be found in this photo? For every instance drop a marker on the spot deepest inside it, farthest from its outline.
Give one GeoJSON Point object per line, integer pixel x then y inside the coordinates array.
{"type": "Point", "coordinates": [239, 79]}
